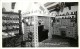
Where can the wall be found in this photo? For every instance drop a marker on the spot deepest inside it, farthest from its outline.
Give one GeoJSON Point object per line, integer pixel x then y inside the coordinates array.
{"type": "Point", "coordinates": [7, 6]}
{"type": "Point", "coordinates": [23, 6]}
{"type": "Point", "coordinates": [66, 23]}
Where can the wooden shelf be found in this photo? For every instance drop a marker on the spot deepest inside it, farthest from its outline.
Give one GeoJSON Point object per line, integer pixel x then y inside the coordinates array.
{"type": "Point", "coordinates": [8, 30]}
{"type": "Point", "coordinates": [8, 18]}
{"type": "Point", "coordinates": [9, 24]}
{"type": "Point", "coordinates": [10, 13]}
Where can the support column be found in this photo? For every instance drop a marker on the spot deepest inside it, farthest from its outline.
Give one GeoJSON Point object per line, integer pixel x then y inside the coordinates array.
{"type": "Point", "coordinates": [36, 31]}
{"type": "Point", "coordinates": [49, 34]}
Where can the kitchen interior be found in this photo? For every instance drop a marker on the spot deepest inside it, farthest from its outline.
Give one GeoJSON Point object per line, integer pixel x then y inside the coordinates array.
{"type": "Point", "coordinates": [40, 24]}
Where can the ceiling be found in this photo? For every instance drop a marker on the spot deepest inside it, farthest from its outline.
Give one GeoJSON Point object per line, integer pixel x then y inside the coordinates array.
{"type": "Point", "coordinates": [56, 6]}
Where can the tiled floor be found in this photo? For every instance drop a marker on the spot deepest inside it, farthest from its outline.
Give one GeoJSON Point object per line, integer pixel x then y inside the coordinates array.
{"type": "Point", "coordinates": [58, 41]}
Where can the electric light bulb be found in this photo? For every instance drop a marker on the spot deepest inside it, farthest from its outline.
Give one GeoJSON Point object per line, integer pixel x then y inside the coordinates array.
{"type": "Point", "coordinates": [26, 20]}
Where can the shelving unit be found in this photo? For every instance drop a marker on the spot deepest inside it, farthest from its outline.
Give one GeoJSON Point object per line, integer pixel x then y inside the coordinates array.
{"type": "Point", "coordinates": [67, 22]}
{"type": "Point", "coordinates": [11, 29]}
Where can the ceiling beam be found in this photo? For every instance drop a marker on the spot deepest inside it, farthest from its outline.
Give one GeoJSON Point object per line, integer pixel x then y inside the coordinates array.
{"type": "Point", "coordinates": [52, 4]}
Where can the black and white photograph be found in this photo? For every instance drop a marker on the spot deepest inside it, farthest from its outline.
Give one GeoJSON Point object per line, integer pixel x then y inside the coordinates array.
{"type": "Point", "coordinates": [40, 24]}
